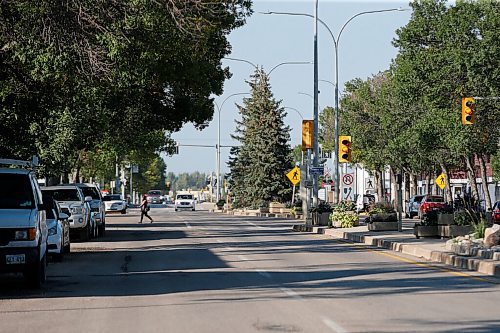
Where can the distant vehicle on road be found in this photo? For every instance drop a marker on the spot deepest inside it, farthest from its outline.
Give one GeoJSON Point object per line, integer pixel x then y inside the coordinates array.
{"type": "Point", "coordinates": [413, 206]}
{"type": "Point", "coordinates": [496, 212]}
{"type": "Point", "coordinates": [154, 197]}
{"type": "Point", "coordinates": [430, 202]}
{"type": "Point", "coordinates": [115, 203]}
{"type": "Point", "coordinates": [185, 201]}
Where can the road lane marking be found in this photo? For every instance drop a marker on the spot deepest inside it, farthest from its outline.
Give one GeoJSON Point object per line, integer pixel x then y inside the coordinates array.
{"type": "Point", "coordinates": [255, 225]}
{"type": "Point", "coordinates": [187, 224]}
{"type": "Point", "coordinates": [219, 241]}
{"type": "Point", "coordinates": [334, 326]}
{"type": "Point", "coordinates": [263, 273]}
{"type": "Point", "coordinates": [291, 293]}
{"type": "Point", "coordinates": [242, 258]}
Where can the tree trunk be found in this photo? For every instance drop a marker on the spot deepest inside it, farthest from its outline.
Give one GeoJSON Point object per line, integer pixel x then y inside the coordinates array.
{"type": "Point", "coordinates": [447, 189]}
{"type": "Point", "coordinates": [471, 174]}
{"type": "Point", "coordinates": [379, 187]}
{"type": "Point", "coordinates": [413, 184]}
{"type": "Point", "coordinates": [484, 183]}
{"type": "Point", "coordinates": [394, 190]}
{"type": "Point", "coordinates": [428, 182]}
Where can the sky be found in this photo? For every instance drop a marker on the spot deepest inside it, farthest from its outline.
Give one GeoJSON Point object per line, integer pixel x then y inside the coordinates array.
{"type": "Point", "coordinates": [365, 49]}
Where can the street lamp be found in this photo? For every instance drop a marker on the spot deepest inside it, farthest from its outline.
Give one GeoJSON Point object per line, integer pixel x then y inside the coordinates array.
{"type": "Point", "coordinates": [217, 196]}
{"type": "Point", "coordinates": [336, 46]}
{"type": "Point", "coordinates": [272, 69]}
{"type": "Point", "coordinates": [294, 109]}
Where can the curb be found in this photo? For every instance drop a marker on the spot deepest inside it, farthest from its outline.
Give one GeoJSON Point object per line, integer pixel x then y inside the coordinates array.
{"type": "Point", "coordinates": [479, 264]}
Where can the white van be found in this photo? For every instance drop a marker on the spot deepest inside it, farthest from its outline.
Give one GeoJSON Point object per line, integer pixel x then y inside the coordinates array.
{"type": "Point", "coordinates": [23, 227]}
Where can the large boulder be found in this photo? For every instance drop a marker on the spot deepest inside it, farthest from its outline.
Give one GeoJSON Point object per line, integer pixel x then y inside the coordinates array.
{"type": "Point", "coordinates": [492, 236]}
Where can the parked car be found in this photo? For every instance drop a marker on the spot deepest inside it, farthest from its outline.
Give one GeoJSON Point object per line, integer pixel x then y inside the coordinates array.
{"type": "Point", "coordinates": [496, 212]}
{"type": "Point", "coordinates": [115, 203]}
{"type": "Point", "coordinates": [77, 206]}
{"type": "Point", "coordinates": [58, 242]}
{"type": "Point", "coordinates": [430, 202]}
{"type": "Point", "coordinates": [185, 201]}
{"type": "Point", "coordinates": [413, 205]}
{"type": "Point", "coordinates": [23, 227]}
{"type": "Point", "coordinates": [154, 197]}
{"type": "Point", "coordinates": [97, 206]}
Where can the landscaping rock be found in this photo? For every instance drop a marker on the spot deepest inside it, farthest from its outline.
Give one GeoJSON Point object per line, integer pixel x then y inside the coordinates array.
{"type": "Point", "coordinates": [492, 236]}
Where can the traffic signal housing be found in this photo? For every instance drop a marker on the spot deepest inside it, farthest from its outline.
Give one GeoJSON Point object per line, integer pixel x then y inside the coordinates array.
{"type": "Point", "coordinates": [344, 148]}
{"type": "Point", "coordinates": [468, 110]}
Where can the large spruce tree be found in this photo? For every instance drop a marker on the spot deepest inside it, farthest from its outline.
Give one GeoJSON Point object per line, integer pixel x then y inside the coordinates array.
{"type": "Point", "coordinates": [259, 166]}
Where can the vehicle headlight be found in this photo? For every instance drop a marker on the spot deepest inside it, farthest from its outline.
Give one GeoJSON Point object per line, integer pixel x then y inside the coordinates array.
{"type": "Point", "coordinates": [76, 210]}
{"type": "Point", "coordinates": [29, 234]}
{"type": "Point", "coordinates": [53, 230]}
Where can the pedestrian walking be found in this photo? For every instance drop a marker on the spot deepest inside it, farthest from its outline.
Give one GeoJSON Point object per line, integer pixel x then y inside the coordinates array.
{"type": "Point", "coordinates": [145, 209]}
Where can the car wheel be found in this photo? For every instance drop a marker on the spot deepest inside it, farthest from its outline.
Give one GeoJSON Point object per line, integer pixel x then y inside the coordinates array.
{"type": "Point", "coordinates": [176, 209]}
{"type": "Point", "coordinates": [193, 209]}
{"type": "Point", "coordinates": [85, 233]}
{"type": "Point", "coordinates": [102, 230]}
{"type": "Point", "coordinates": [37, 275]}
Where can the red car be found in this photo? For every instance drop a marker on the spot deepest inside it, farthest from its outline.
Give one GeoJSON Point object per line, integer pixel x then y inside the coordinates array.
{"type": "Point", "coordinates": [430, 202]}
{"type": "Point", "coordinates": [496, 212]}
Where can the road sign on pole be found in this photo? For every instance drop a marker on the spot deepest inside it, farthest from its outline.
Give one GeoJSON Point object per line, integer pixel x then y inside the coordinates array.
{"type": "Point", "coordinates": [441, 181]}
{"type": "Point", "coordinates": [317, 171]}
{"type": "Point", "coordinates": [294, 175]}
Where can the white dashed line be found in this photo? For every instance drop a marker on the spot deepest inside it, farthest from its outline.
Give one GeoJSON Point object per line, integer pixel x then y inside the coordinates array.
{"type": "Point", "coordinates": [291, 293]}
{"type": "Point", "coordinates": [263, 273]}
{"type": "Point", "coordinates": [242, 258]}
{"type": "Point", "coordinates": [255, 225]}
{"type": "Point", "coordinates": [334, 326]}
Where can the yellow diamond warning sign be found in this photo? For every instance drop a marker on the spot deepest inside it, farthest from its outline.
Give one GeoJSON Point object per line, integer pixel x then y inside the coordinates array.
{"type": "Point", "coordinates": [441, 181]}
{"type": "Point", "coordinates": [294, 176]}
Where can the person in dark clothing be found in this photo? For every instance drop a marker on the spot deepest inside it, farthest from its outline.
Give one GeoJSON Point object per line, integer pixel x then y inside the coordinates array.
{"type": "Point", "coordinates": [145, 209]}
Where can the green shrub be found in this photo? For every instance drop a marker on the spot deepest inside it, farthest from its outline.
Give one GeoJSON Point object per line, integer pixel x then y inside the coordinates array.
{"type": "Point", "coordinates": [479, 229]}
{"type": "Point", "coordinates": [346, 219]}
{"type": "Point", "coordinates": [381, 208]}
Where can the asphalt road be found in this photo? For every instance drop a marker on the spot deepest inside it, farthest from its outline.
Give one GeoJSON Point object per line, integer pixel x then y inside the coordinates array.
{"type": "Point", "coordinates": [207, 272]}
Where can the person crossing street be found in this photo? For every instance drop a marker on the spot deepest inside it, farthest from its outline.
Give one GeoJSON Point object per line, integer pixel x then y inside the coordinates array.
{"type": "Point", "coordinates": [145, 209]}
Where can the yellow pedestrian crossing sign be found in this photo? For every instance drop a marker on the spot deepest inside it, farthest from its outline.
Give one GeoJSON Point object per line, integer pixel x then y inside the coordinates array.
{"type": "Point", "coordinates": [294, 176]}
{"type": "Point", "coordinates": [441, 180]}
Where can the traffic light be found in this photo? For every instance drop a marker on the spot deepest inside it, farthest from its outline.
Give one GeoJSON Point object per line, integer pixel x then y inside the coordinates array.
{"type": "Point", "coordinates": [344, 148]}
{"type": "Point", "coordinates": [468, 108]}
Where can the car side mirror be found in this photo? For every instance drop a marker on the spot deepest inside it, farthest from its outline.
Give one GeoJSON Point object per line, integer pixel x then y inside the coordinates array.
{"type": "Point", "coordinates": [88, 199]}
{"type": "Point", "coordinates": [63, 216]}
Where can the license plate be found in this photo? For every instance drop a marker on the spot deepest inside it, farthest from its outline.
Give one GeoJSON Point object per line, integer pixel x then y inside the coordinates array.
{"type": "Point", "coordinates": [15, 259]}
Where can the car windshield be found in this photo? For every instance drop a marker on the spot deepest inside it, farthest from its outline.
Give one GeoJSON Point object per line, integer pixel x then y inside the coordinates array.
{"type": "Point", "coordinates": [185, 196]}
{"type": "Point", "coordinates": [112, 197]}
{"type": "Point", "coordinates": [15, 192]}
{"type": "Point", "coordinates": [418, 199]}
{"type": "Point", "coordinates": [435, 199]}
{"type": "Point", "coordinates": [66, 194]}
{"type": "Point", "coordinates": [154, 193]}
{"type": "Point", "coordinates": [90, 192]}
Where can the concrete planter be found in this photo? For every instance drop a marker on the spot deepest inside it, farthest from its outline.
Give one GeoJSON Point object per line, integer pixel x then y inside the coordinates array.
{"type": "Point", "coordinates": [275, 207]}
{"type": "Point", "coordinates": [451, 231]}
{"type": "Point", "coordinates": [285, 211]}
{"type": "Point", "coordinates": [425, 231]}
{"type": "Point", "coordinates": [384, 217]}
{"type": "Point", "coordinates": [383, 226]}
{"type": "Point", "coordinates": [320, 218]}
{"type": "Point", "coordinates": [445, 219]}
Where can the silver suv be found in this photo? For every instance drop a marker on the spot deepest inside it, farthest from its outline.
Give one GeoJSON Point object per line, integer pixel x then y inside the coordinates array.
{"type": "Point", "coordinates": [77, 206]}
{"type": "Point", "coordinates": [23, 227]}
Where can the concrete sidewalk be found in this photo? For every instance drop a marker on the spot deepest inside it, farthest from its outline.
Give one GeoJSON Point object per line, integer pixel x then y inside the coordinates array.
{"type": "Point", "coordinates": [433, 250]}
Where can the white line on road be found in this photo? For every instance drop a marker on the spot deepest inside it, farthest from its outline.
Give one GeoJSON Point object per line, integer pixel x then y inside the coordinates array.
{"type": "Point", "coordinates": [263, 273]}
{"type": "Point", "coordinates": [291, 293]}
{"type": "Point", "coordinates": [187, 224]}
{"type": "Point", "coordinates": [255, 225]}
{"type": "Point", "coordinates": [219, 241]}
{"type": "Point", "coordinates": [242, 258]}
{"type": "Point", "coordinates": [334, 326]}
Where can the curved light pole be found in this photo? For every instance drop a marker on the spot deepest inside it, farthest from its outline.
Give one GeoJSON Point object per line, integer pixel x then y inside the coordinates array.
{"type": "Point", "coordinates": [272, 69]}
{"type": "Point", "coordinates": [219, 108]}
{"type": "Point", "coordinates": [336, 46]}
{"type": "Point", "coordinates": [294, 109]}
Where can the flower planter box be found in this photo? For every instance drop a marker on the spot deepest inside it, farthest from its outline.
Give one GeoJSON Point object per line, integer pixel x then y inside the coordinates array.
{"type": "Point", "coordinates": [285, 211]}
{"type": "Point", "coordinates": [275, 207]}
{"type": "Point", "coordinates": [445, 219]}
{"type": "Point", "coordinates": [425, 231]}
{"type": "Point", "coordinates": [324, 219]}
{"type": "Point", "coordinates": [383, 226]}
{"type": "Point", "coordinates": [453, 230]}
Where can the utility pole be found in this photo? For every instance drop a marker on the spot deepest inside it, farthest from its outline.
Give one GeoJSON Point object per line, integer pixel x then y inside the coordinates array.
{"type": "Point", "coordinates": [316, 121]}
